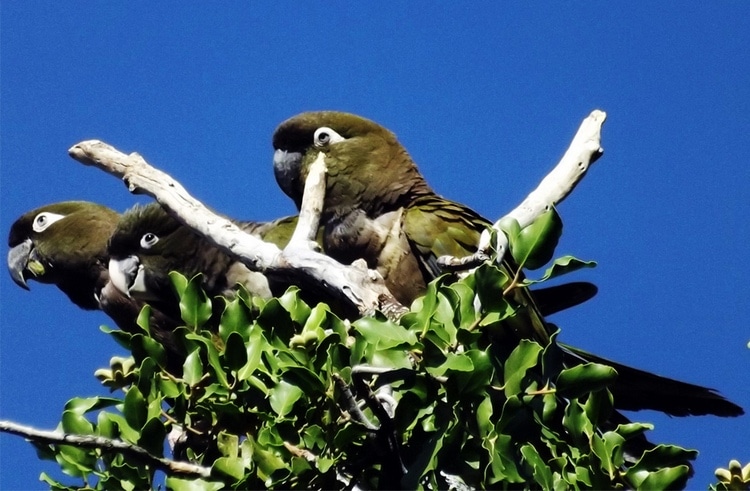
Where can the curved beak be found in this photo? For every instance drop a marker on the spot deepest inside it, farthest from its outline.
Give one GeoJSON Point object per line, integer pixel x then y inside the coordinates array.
{"type": "Point", "coordinates": [286, 169]}
{"type": "Point", "coordinates": [283, 159]}
{"type": "Point", "coordinates": [128, 276]}
{"type": "Point", "coordinates": [18, 259]}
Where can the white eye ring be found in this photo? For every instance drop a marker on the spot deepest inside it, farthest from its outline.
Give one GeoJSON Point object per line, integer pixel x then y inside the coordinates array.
{"type": "Point", "coordinates": [326, 136]}
{"type": "Point", "coordinates": [148, 240]}
{"type": "Point", "coordinates": [43, 220]}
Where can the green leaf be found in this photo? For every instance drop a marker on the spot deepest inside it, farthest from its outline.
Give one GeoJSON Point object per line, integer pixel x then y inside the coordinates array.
{"type": "Point", "coordinates": [184, 484]}
{"type": "Point", "coordinates": [214, 364]}
{"type": "Point", "coordinates": [390, 358]}
{"type": "Point", "coordinates": [152, 436]}
{"type": "Point", "coordinates": [297, 308]}
{"type": "Point", "coordinates": [267, 461]}
{"type": "Point", "coordinates": [146, 347]}
{"type": "Point", "coordinates": [75, 423]}
{"type": "Point", "coordinates": [631, 430]}
{"type": "Point", "coordinates": [534, 245]}
{"type": "Point", "coordinates": [236, 318]}
{"type": "Point", "coordinates": [510, 227]}
{"type": "Point", "coordinates": [192, 369]}
{"type": "Point", "coordinates": [542, 472]}
{"type": "Point", "coordinates": [384, 334]}
{"type": "Point", "coordinates": [477, 380]}
{"type": "Point", "coordinates": [135, 408]}
{"type": "Point", "coordinates": [179, 282]}
{"type": "Point", "coordinates": [667, 478]}
{"type": "Point", "coordinates": [144, 317]}
{"type": "Point", "coordinates": [582, 379]}
{"type": "Point", "coordinates": [502, 464]}
{"type": "Point", "coordinates": [562, 265]}
{"type": "Point", "coordinates": [55, 485]}
{"type": "Point", "coordinates": [576, 421]}
{"type": "Point", "coordinates": [453, 362]}
{"type": "Point", "coordinates": [195, 306]}
{"type": "Point", "coordinates": [75, 461]}
{"type": "Point", "coordinates": [126, 432]}
{"type": "Point", "coordinates": [608, 448]}
{"type": "Point", "coordinates": [283, 397]}
{"type": "Point", "coordinates": [228, 444]}
{"type": "Point", "coordinates": [490, 283]}
{"type": "Point", "coordinates": [235, 352]}
{"type": "Point", "coordinates": [658, 458]}
{"type": "Point", "coordinates": [255, 346]}
{"type": "Point", "coordinates": [523, 357]}
{"type": "Point", "coordinates": [81, 405]}
{"type": "Point", "coordinates": [229, 466]}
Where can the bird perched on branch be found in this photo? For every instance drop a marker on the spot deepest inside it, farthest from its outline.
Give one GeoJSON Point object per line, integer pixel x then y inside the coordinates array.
{"type": "Point", "coordinates": [379, 207]}
{"type": "Point", "coordinates": [148, 244]}
{"type": "Point", "coordinates": [65, 244]}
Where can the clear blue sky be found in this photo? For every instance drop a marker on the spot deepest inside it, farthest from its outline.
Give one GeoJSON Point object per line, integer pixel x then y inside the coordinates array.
{"type": "Point", "coordinates": [485, 96]}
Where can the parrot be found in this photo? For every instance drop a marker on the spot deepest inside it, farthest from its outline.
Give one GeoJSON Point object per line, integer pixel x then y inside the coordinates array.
{"type": "Point", "coordinates": [378, 207]}
{"type": "Point", "coordinates": [65, 244]}
{"type": "Point", "coordinates": [148, 244]}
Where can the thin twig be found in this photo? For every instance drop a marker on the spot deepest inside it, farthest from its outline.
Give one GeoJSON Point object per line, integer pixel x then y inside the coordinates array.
{"type": "Point", "coordinates": [350, 404]}
{"type": "Point", "coordinates": [106, 445]}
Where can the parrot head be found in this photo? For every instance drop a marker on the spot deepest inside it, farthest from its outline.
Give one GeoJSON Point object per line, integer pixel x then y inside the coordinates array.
{"type": "Point", "coordinates": [147, 244]}
{"type": "Point", "coordinates": [64, 244]}
{"type": "Point", "coordinates": [366, 166]}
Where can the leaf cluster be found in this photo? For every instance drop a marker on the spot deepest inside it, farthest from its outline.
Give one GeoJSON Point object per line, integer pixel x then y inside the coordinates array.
{"type": "Point", "coordinates": [278, 394]}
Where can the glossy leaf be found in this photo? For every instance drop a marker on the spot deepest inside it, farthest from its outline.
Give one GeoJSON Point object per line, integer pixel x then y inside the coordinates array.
{"type": "Point", "coordinates": [235, 352]}
{"type": "Point", "coordinates": [561, 266]}
{"type": "Point", "coordinates": [195, 306]}
{"type": "Point", "coordinates": [176, 483]}
{"type": "Point", "coordinates": [524, 357]}
{"type": "Point", "coordinates": [192, 369]}
{"type": "Point", "coordinates": [384, 334]}
{"type": "Point", "coordinates": [135, 408]}
{"type": "Point", "coordinates": [533, 246]}
{"type": "Point", "coordinates": [283, 397]}
{"type": "Point", "coordinates": [584, 378]}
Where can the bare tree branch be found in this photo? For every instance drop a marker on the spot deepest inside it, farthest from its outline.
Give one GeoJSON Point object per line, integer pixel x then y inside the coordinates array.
{"type": "Point", "coordinates": [584, 150]}
{"type": "Point", "coordinates": [361, 287]}
{"type": "Point", "coordinates": [106, 445]}
{"type": "Point", "coordinates": [312, 204]}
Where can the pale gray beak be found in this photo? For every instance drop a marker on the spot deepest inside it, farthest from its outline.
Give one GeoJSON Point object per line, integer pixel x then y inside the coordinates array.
{"type": "Point", "coordinates": [18, 258]}
{"type": "Point", "coordinates": [286, 168]}
{"type": "Point", "coordinates": [127, 275]}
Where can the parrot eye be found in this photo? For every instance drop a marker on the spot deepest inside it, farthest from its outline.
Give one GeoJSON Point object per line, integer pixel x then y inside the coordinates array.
{"type": "Point", "coordinates": [148, 240]}
{"type": "Point", "coordinates": [325, 136]}
{"type": "Point", "coordinates": [44, 220]}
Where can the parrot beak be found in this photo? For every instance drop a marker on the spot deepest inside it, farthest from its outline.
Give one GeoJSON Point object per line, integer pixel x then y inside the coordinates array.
{"type": "Point", "coordinates": [283, 159]}
{"type": "Point", "coordinates": [18, 259]}
{"type": "Point", "coordinates": [128, 276]}
{"type": "Point", "coordinates": [286, 168]}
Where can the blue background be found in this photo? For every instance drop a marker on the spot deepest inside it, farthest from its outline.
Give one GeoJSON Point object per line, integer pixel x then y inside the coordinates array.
{"type": "Point", "coordinates": [485, 96]}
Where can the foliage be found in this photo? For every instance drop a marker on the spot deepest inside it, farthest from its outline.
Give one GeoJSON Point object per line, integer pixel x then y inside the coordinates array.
{"type": "Point", "coordinates": [735, 477]}
{"type": "Point", "coordinates": [278, 394]}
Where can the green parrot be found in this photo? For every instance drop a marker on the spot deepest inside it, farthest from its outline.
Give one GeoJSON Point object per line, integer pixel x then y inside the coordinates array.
{"type": "Point", "coordinates": [65, 244]}
{"type": "Point", "coordinates": [379, 207]}
{"type": "Point", "coordinates": [148, 244]}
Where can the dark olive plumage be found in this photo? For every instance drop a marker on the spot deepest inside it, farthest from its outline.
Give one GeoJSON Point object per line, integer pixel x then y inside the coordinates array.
{"type": "Point", "coordinates": [148, 244]}
{"type": "Point", "coordinates": [65, 244]}
{"type": "Point", "coordinates": [379, 207]}
{"type": "Point", "coordinates": [70, 252]}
